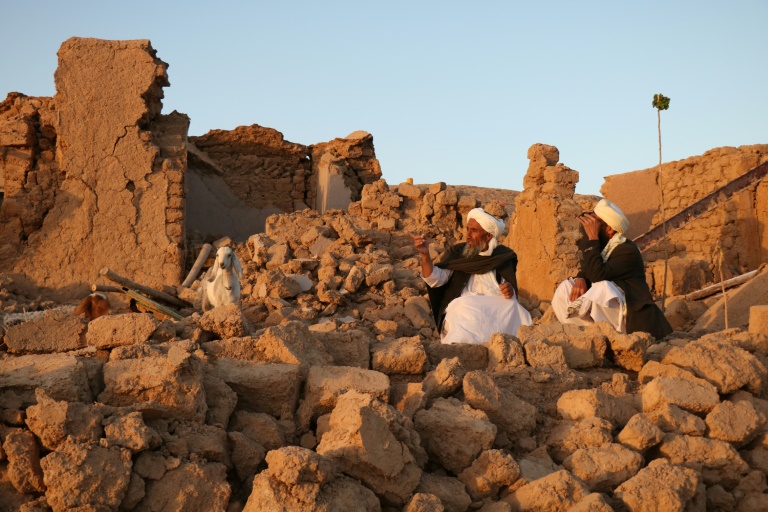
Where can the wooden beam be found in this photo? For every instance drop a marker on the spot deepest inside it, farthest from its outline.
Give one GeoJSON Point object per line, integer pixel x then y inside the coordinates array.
{"type": "Point", "coordinates": [716, 288]}
{"type": "Point", "coordinates": [199, 262]}
{"type": "Point", "coordinates": [105, 288]}
{"type": "Point", "coordinates": [146, 290]}
{"type": "Point", "coordinates": [152, 305]}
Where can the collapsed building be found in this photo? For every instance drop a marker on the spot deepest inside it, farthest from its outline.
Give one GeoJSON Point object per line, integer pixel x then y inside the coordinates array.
{"type": "Point", "coordinates": [327, 388]}
{"type": "Point", "coordinates": [97, 177]}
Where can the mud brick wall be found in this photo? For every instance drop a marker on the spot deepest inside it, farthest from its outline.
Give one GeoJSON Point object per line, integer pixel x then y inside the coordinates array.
{"type": "Point", "coordinates": [118, 195]}
{"type": "Point", "coordinates": [544, 229]}
{"type": "Point", "coordinates": [238, 178]}
{"type": "Point", "coordinates": [29, 173]}
{"type": "Point", "coordinates": [260, 167]}
{"type": "Point", "coordinates": [738, 225]}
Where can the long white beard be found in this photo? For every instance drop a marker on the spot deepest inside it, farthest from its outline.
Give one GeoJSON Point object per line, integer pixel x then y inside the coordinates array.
{"type": "Point", "coordinates": [469, 251]}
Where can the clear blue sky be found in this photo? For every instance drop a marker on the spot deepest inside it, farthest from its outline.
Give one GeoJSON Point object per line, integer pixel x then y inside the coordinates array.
{"type": "Point", "coordinates": [451, 91]}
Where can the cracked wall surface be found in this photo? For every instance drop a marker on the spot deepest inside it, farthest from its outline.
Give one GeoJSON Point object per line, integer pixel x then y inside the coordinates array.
{"type": "Point", "coordinates": [120, 203]}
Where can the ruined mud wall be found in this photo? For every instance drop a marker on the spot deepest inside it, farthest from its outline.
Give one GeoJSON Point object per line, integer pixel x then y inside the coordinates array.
{"type": "Point", "coordinates": [29, 173]}
{"type": "Point", "coordinates": [240, 177]}
{"type": "Point", "coordinates": [117, 183]}
{"type": "Point", "coordinates": [341, 168]}
{"type": "Point", "coordinates": [544, 229]}
{"type": "Point", "coordinates": [738, 224]}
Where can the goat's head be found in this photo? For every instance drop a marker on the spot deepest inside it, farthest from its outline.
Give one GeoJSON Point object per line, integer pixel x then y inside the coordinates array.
{"type": "Point", "coordinates": [226, 259]}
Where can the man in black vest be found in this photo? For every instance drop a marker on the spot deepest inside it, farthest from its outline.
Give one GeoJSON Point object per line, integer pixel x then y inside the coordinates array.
{"type": "Point", "coordinates": [610, 285]}
{"type": "Point", "coordinates": [473, 289]}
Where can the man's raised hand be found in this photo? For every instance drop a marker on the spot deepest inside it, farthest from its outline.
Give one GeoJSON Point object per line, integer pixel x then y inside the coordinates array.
{"type": "Point", "coordinates": [591, 225]}
{"type": "Point", "coordinates": [420, 243]}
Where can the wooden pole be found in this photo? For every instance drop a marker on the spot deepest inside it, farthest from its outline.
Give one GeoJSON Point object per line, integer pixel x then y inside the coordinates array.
{"type": "Point", "coordinates": [199, 262]}
{"type": "Point", "coordinates": [728, 283]}
{"type": "Point", "coordinates": [152, 305]}
{"type": "Point", "coordinates": [105, 288]}
{"type": "Point", "coordinates": [170, 299]}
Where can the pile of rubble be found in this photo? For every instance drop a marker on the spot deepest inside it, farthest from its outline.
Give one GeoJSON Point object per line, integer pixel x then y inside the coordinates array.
{"type": "Point", "coordinates": [328, 389]}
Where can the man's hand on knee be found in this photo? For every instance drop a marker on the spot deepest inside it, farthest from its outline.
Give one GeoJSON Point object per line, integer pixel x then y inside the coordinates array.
{"type": "Point", "coordinates": [579, 288]}
{"type": "Point", "coordinates": [507, 290]}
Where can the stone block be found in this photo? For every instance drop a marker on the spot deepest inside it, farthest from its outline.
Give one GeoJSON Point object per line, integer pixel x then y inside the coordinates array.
{"type": "Point", "coordinates": [568, 436]}
{"type": "Point", "coordinates": [377, 273]}
{"type": "Point", "coordinates": [62, 376]}
{"type": "Point", "coordinates": [72, 483]}
{"type": "Point", "coordinates": [557, 491]}
{"type": "Point", "coordinates": [758, 320]}
{"type": "Point", "coordinates": [504, 352]}
{"type": "Point", "coordinates": [129, 431]}
{"type": "Point", "coordinates": [370, 441]}
{"type": "Point", "coordinates": [588, 403]}
{"type": "Point", "coordinates": [693, 396]}
{"type": "Point", "coordinates": [672, 419]}
{"type": "Point", "coordinates": [471, 357]}
{"type": "Point", "coordinates": [300, 479]}
{"type": "Point", "coordinates": [246, 454]}
{"type": "Point", "coordinates": [23, 457]}
{"type": "Point", "coordinates": [162, 386]}
{"type": "Point", "coordinates": [188, 487]}
{"type": "Point", "coordinates": [54, 421]}
{"type": "Point", "coordinates": [110, 331]}
{"type": "Point", "coordinates": [489, 473]}
{"type": "Point", "coordinates": [268, 388]}
{"type": "Point", "coordinates": [408, 190]}
{"type": "Point", "coordinates": [603, 468]}
{"type": "Point", "coordinates": [684, 275]}
{"type": "Point", "coordinates": [640, 433]}
{"type": "Point", "coordinates": [347, 348]}
{"type": "Point", "coordinates": [402, 356]}
{"type": "Point", "coordinates": [718, 461]}
{"type": "Point", "coordinates": [659, 486]}
{"type": "Point", "coordinates": [220, 399]}
{"type": "Point", "coordinates": [56, 330]}
{"type": "Point", "coordinates": [451, 491]}
{"type": "Point", "coordinates": [727, 367]}
{"type": "Point", "coordinates": [354, 279]}
{"type": "Point", "coordinates": [419, 312]}
{"type": "Point", "coordinates": [454, 433]}
{"type": "Point", "coordinates": [326, 383]}
{"type": "Point", "coordinates": [736, 423]}
{"type": "Point", "coordinates": [541, 354]}
{"type": "Point", "coordinates": [511, 415]}
{"type": "Point", "coordinates": [225, 321]}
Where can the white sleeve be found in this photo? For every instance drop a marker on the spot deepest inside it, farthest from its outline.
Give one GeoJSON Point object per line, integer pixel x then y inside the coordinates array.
{"type": "Point", "coordinates": [438, 277]}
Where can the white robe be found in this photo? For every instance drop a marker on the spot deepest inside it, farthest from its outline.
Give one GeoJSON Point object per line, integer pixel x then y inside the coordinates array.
{"type": "Point", "coordinates": [480, 311]}
{"type": "Point", "coordinates": [603, 302]}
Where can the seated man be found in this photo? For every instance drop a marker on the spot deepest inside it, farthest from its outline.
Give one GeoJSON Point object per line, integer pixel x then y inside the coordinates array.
{"type": "Point", "coordinates": [472, 290]}
{"type": "Point", "coordinates": [610, 285]}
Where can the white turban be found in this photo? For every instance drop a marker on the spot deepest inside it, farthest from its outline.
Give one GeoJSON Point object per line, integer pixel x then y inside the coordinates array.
{"type": "Point", "coordinates": [487, 221]}
{"type": "Point", "coordinates": [612, 215]}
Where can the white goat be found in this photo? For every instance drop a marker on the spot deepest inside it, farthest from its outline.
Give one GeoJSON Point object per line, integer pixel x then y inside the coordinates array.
{"type": "Point", "coordinates": [221, 284]}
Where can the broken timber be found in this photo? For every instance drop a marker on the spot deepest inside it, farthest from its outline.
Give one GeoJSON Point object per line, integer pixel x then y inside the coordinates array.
{"type": "Point", "coordinates": [717, 287]}
{"type": "Point", "coordinates": [702, 206]}
{"type": "Point", "coordinates": [199, 262]}
{"type": "Point", "coordinates": [152, 305]}
{"type": "Point", "coordinates": [146, 290]}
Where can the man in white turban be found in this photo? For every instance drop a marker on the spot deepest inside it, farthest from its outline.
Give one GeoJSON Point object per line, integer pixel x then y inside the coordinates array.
{"type": "Point", "coordinates": [473, 290]}
{"type": "Point", "coordinates": [610, 286]}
